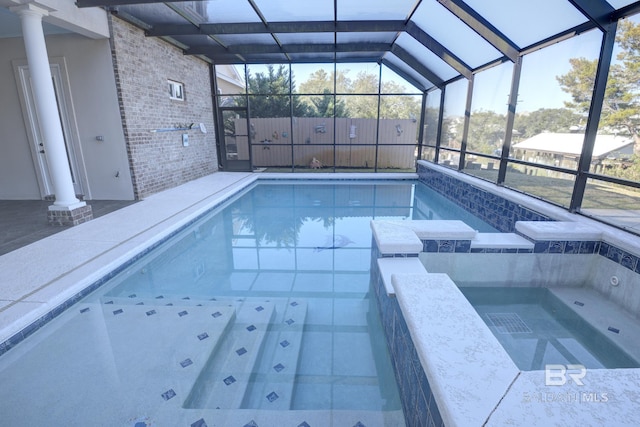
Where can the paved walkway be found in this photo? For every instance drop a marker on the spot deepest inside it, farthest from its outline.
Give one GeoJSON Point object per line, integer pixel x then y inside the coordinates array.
{"type": "Point", "coordinates": [23, 222]}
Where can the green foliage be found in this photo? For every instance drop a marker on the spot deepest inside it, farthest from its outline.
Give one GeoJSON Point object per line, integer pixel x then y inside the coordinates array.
{"type": "Point", "coordinates": [527, 125]}
{"type": "Point", "coordinates": [271, 94]}
{"type": "Point", "coordinates": [621, 106]}
{"type": "Point", "coordinates": [486, 132]}
{"type": "Point", "coordinates": [356, 98]}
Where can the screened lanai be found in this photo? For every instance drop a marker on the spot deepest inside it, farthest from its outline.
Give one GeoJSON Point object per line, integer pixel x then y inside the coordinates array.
{"type": "Point", "coordinates": [495, 89]}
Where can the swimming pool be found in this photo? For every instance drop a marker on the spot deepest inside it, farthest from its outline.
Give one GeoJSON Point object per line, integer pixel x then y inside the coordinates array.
{"type": "Point", "coordinates": [277, 280]}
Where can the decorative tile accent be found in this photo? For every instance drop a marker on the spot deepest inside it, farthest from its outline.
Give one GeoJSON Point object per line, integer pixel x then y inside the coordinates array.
{"type": "Point", "coordinates": [294, 304]}
{"type": "Point", "coordinates": [160, 297]}
{"type": "Point", "coordinates": [284, 343]}
{"type": "Point", "coordinates": [151, 312]}
{"type": "Point", "coordinates": [272, 397]}
{"type": "Point", "coordinates": [304, 424]}
{"type": "Point", "coordinates": [132, 296]}
{"type": "Point", "coordinates": [289, 322]}
{"type": "Point", "coordinates": [229, 380]}
{"type": "Point", "coordinates": [199, 423]}
{"type": "Point", "coordinates": [251, 328]}
{"type": "Point", "coordinates": [168, 394]}
{"type": "Point", "coordinates": [259, 308]}
{"type": "Point", "coordinates": [84, 310]}
{"type": "Point", "coordinates": [251, 424]}
{"type": "Point", "coordinates": [629, 261]}
{"type": "Point", "coordinates": [183, 313]}
{"type": "Point", "coordinates": [203, 336]}
{"type": "Point", "coordinates": [556, 247]}
{"type": "Point", "coordinates": [186, 362]}
{"type": "Point", "coordinates": [578, 303]}
{"type": "Point", "coordinates": [495, 210]}
{"type": "Point", "coordinates": [186, 298]}
{"type": "Point", "coordinates": [572, 247]}
{"type": "Point", "coordinates": [140, 303]}
{"type": "Point", "coordinates": [241, 351]}
{"type": "Point", "coordinates": [359, 424]}
{"type": "Point", "coordinates": [118, 311]}
{"type": "Point", "coordinates": [170, 304]}
{"type": "Point", "coordinates": [279, 367]}
{"type": "Point", "coordinates": [216, 314]}
{"type": "Point", "coordinates": [614, 330]}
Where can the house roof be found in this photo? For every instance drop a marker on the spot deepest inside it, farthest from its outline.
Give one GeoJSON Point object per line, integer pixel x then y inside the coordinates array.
{"type": "Point", "coordinates": [571, 143]}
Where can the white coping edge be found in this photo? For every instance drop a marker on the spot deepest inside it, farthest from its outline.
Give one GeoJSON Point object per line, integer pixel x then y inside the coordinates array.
{"type": "Point", "coordinates": [501, 240]}
{"type": "Point", "coordinates": [438, 229]}
{"type": "Point", "coordinates": [619, 238]}
{"type": "Point", "coordinates": [468, 370]}
{"type": "Point", "coordinates": [389, 266]}
{"type": "Point", "coordinates": [394, 238]}
{"type": "Point", "coordinates": [377, 176]}
{"type": "Point", "coordinates": [558, 230]}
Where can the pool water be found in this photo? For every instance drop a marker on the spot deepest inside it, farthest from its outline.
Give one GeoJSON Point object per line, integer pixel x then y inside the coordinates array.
{"type": "Point", "coordinates": [536, 328]}
{"type": "Point", "coordinates": [262, 305]}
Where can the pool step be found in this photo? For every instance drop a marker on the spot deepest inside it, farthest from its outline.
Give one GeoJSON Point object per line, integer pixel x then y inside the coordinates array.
{"type": "Point", "coordinates": [224, 380]}
{"type": "Point", "coordinates": [158, 351]}
{"type": "Point", "coordinates": [272, 385]}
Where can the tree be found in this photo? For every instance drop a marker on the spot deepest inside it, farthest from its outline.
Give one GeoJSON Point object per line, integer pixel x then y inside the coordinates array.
{"type": "Point", "coordinates": [486, 132]}
{"type": "Point", "coordinates": [621, 107]}
{"type": "Point", "coordinates": [320, 82]}
{"type": "Point", "coordinates": [546, 120]}
{"type": "Point", "coordinates": [269, 94]}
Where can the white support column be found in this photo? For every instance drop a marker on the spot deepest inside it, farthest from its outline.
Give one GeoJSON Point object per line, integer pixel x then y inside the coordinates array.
{"type": "Point", "coordinates": [46, 106]}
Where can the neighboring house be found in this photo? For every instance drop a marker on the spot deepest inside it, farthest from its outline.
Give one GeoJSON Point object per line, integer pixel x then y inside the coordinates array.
{"type": "Point", "coordinates": [119, 121]}
{"type": "Point", "coordinates": [229, 79]}
{"type": "Point", "coordinates": [563, 150]}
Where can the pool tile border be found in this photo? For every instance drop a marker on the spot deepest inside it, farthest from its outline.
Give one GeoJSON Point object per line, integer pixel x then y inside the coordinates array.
{"type": "Point", "coordinates": [503, 215]}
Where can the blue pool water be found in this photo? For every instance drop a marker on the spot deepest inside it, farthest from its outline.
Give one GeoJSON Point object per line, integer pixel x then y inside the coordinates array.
{"type": "Point", "coordinates": [261, 304]}
{"type": "Point", "coordinates": [537, 329]}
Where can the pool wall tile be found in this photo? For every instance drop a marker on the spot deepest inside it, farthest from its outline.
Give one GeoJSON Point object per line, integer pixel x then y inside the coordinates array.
{"type": "Point", "coordinates": [415, 392]}
{"type": "Point", "coordinates": [503, 214]}
{"type": "Point", "coordinates": [500, 213]}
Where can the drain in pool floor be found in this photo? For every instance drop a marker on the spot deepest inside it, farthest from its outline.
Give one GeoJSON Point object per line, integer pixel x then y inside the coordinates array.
{"type": "Point", "coordinates": [508, 323]}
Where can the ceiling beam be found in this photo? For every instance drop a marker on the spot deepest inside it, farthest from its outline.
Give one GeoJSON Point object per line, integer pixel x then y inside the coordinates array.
{"type": "Point", "coordinates": [598, 11]}
{"type": "Point", "coordinates": [233, 60]}
{"type": "Point", "coordinates": [481, 26]}
{"type": "Point", "coordinates": [252, 49]}
{"type": "Point", "coordinates": [439, 50]}
{"type": "Point", "coordinates": [277, 27]}
{"type": "Point", "coordinates": [417, 66]}
{"type": "Point", "coordinates": [403, 74]}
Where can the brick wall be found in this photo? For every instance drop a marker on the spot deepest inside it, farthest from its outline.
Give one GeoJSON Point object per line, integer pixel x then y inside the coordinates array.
{"type": "Point", "coordinates": [143, 65]}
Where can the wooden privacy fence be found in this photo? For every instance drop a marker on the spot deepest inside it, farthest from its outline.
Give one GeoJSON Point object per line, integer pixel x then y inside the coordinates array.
{"type": "Point", "coordinates": [275, 142]}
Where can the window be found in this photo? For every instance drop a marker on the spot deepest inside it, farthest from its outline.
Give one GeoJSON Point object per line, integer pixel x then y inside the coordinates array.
{"type": "Point", "coordinates": [176, 90]}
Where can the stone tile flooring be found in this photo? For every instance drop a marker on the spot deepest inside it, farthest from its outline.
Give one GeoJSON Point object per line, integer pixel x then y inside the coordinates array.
{"type": "Point", "coordinates": [23, 222]}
